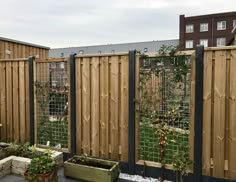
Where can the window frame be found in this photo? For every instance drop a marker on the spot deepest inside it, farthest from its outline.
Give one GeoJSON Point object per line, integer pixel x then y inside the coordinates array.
{"type": "Point", "coordinates": [221, 27]}
{"type": "Point", "coordinates": [186, 43]}
{"type": "Point", "coordinates": [189, 30]}
{"type": "Point", "coordinates": [204, 41]}
{"type": "Point", "coordinates": [220, 38]}
{"type": "Point", "coordinates": [202, 25]}
{"type": "Point", "coordinates": [234, 23]}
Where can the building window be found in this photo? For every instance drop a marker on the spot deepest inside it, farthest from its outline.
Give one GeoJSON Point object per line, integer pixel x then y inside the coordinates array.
{"type": "Point", "coordinates": [145, 49]}
{"type": "Point", "coordinates": [113, 51]}
{"type": "Point", "coordinates": [220, 42]}
{"type": "Point", "coordinates": [62, 55]}
{"type": "Point", "coordinates": [189, 28]}
{"type": "Point", "coordinates": [188, 44]}
{"type": "Point", "coordinates": [204, 42]}
{"type": "Point", "coordinates": [203, 27]}
{"type": "Point", "coordinates": [99, 52]}
{"type": "Point", "coordinates": [234, 23]}
{"type": "Point", "coordinates": [221, 25]}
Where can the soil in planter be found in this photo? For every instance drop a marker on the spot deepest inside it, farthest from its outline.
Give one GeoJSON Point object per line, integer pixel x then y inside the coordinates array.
{"type": "Point", "coordinates": [86, 162]}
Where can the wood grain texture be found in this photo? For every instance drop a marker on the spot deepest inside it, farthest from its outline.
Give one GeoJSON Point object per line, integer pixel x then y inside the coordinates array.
{"type": "Point", "coordinates": [219, 114]}
{"type": "Point", "coordinates": [207, 127]}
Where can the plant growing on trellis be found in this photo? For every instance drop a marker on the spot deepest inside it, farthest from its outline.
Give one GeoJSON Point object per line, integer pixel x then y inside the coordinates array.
{"type": "Point", "coordinates": [161, 110]}
{"type": "Point", "coordinates": [46, 128]}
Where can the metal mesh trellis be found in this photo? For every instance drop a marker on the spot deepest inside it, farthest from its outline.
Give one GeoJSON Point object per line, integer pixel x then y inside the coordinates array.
{"type": "Point", "coordinates": [52, 104]}
{"type": "Point", "coordinates": [164, 108]}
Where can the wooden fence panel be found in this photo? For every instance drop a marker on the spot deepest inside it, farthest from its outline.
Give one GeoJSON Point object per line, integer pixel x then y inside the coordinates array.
{"type": "Point", "coordinates": [232, 116]}
{"type": "Point", "coordinates": [102, 106]}
{"type": "Point", "coordinates": [13, 105]}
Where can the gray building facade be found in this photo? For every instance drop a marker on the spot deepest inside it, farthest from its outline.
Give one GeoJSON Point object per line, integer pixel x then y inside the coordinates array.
{"type": "Point", "coordinates": [149, 46]}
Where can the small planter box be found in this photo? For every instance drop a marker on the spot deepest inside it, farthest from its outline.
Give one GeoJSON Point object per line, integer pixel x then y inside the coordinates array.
{"type": "Point", "coordinates": [48, 177]}
{"type": "Point", "coordinates": [91, 169]}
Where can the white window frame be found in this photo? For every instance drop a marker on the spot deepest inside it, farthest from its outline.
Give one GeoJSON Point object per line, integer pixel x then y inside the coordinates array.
{"type": "Point", "coordinates": [203, 27]}
{"type": "Point", "coordinates": [234, 23]}
{"type": "Point", "coordinates": [189, 28]}
{"type": "Point", "coordinates": [221, 41]}
{"type": "Point", "coordinates": [189, 44]}
{"type": "Point", "coordinates": [204, 42]}
{"type": "Point", "coordinates": [221, 25]}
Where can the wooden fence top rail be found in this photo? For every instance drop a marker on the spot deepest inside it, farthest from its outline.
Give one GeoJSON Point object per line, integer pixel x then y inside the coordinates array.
{"type": "Point", "coordinates": [102, 55]}
{"type": "Point", "coordinates": [15, 59]}
{"type": "Point", "coordinates": [220, 48]}
{"type": "Point", "coordinates": [50, 60]}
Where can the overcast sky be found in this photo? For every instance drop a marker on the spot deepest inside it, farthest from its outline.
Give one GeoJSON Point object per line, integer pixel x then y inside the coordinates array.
{"type": "Point", "coordinates": [67, 23]}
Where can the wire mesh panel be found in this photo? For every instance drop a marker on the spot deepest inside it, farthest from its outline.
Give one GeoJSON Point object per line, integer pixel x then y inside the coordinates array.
{"type": "Point", "coordinates": [164, 108]}
{"type": "Point", "coordinates": [51, 87]}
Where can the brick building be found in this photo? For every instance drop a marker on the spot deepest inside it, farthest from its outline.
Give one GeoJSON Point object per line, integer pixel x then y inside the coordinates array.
{"type": "Point", "coordinates": [212, 30]}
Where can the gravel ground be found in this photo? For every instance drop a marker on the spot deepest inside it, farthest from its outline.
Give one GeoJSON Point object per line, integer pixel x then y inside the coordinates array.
{"type": "Point", "coordinates": [138, 178]}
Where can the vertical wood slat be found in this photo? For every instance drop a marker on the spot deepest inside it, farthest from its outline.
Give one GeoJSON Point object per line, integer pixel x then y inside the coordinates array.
{"type": "Point", "coordinates": [104, 107]}
{"type": "Point", "coordinates": [22, 102]}
{"type": "Point", "coordinates": [207, 94]}
{"type": "Point", "coordinates": [114, 108]}
{"type": "Point", "coordinates": [124, 111]}
{"type": "Point", "coordinates": [232, 116]}
{"type": "Point", "coordinates": [15, 97]}
{"type": "Point", "coordinates": [78, 106]}
{"type": "Point", "coordinates": [95, 106]}
{"type": "Point", "coordinates": [9, 101]}
{"type": "Point", "coordinates": [3, 101]}
{"type": "Point", "coordinates": [219, 114]}
{"type": "Point", "coordinates": [86, 120]}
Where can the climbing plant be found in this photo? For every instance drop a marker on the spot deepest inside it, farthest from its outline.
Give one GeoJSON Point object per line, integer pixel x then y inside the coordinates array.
{"type": "Point", "coordinates": [164, 107]}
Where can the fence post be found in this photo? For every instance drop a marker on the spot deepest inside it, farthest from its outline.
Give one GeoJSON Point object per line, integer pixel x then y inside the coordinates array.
{"type": "Point", "coordinates": [132, 112]}
{"type": "Point", "coordinates": [31, 98]}
{"type": "Point", "coordinates": [72, 105]}
{"type": "Point", "coordinates": [198, 118]}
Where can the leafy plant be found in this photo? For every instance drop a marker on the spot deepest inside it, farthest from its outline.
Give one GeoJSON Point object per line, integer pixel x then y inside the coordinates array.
{"type": "Point", "coordinates": [181, 162]}
{"type": "Point", "coordinates": [41, 165]}
{"type": "Point", "coordinates": [163, 106]}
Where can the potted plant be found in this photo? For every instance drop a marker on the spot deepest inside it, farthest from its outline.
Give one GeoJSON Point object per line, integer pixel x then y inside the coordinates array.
{"type": "Point", "coordinates": [91, 169]}
{"type": "Point", "coordinates": [42, 169]}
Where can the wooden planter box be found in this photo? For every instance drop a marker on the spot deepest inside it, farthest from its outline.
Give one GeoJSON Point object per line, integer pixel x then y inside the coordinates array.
{"type": "Point", "coordinates": [48, 177]}
{"type": "Point", "coordinates": [89, 173]}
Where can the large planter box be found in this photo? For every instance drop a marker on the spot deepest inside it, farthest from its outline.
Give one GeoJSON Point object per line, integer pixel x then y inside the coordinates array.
{"type": "Point", "coordinates": [90, 173]}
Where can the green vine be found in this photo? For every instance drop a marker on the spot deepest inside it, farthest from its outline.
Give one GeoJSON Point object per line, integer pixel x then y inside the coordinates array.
{"type": "Point", "coordinates": [163, 109]}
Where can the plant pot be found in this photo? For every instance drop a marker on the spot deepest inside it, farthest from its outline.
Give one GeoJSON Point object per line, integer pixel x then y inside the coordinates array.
{"type": "Point", "coordinates": [48, 177]}
{"type": "Point", "coordinates": [91, 169]}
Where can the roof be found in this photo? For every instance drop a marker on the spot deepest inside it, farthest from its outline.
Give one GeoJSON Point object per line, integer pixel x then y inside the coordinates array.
{"type": "Point", "coordinates": [148, 46]}
{"type": "Point", "coordinates": [24, 43]}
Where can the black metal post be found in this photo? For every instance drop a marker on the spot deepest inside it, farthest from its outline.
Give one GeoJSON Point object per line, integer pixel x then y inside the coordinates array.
{"type": "Point", "coordinates": [72, 104]}
{"type": "Point", "coordinates": [31, 98]}
{"type": "Point", "coordinates": [131, 112]}
{"type": "Point", "coordinates": [198, 114]}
